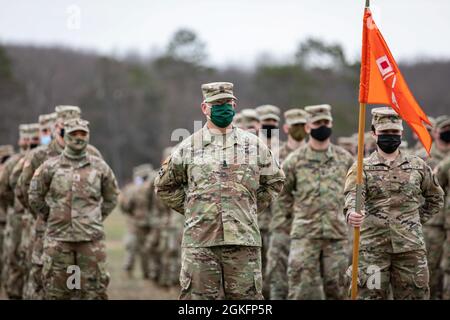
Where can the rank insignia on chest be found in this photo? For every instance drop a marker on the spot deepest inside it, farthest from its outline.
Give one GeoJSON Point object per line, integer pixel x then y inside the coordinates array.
{"type": "Point", "coordinates": [76, 177]}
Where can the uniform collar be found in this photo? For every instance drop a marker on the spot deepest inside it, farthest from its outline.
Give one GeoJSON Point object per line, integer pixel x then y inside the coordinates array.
{"type": "Point", "coordinates": [376, 159]}
{"type": "Point", "coordinates": [75, 163]}
{"type": "Point", "coordinates": [231, 139]}
{"type": "Point", "coordinates": [314, 155]}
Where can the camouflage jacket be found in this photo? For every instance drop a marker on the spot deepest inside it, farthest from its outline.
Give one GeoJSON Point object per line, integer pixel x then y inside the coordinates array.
{"type": "Point", "coordinates": [279, 221]}
{"type": "Point", "coordinates": [34, 160]}
{"type": "Point", "coordinates": [313, 192]}
{"type": "Point", "coordinates": [433, 160]}
{"type": "Point", "coordinates": [443, 175]}
{"type": "Point", "coordinates": [392, 197]}
{"type": "Point", "coordinates": [6, 193]}
{"type": "Point", "coordinates": [137, 202]}
{"type": "Point", "coordinates": [220, 183]}
{"type": "Point", "coordinates": [7, 196]}
{"type": "Point", "coordinates": [73, 197]}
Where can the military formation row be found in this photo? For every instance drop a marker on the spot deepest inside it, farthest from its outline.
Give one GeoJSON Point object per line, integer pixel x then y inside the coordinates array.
{"type": "Point", "coordinates": [55, 194]}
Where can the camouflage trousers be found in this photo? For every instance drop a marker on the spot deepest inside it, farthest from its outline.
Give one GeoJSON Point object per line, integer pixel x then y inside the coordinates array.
{"type": "Point", "coordinates": [74, 270]}
{"type": "Point", "coordinates": [222, 272]}
{"type": "Point", "coordinates": [434, 240]}
{"type": "Point", "coordinates": [446, 268]}
{"type": "Point", "coordinates": [265, 241]}
{"type": "Point", "coordinates": [316, 269]}
{"type": "Point", "coordinates": [135, 246]}
{"type": "Point", "coordinates": [13, 270]}
{"type": "Point", "coordinates": [406, 274]}
{"type": "Point", "coordinates": [277, 265]}
{"type": "Point", "coordinates": [34, 289]}
{"type": "Point", "coordinates": [169, 246]}
{"type": "Point", "coordinates": [154, 255]}
{"type": "Point", "coordinates": [25, 249]}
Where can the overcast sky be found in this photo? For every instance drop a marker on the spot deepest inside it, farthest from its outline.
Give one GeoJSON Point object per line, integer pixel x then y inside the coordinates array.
{"type": "Point", "coordinates": [235, 31]}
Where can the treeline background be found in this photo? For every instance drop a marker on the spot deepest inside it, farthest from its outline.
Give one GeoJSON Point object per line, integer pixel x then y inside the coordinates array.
{"type": "Point", "coordinates": [134, 103]}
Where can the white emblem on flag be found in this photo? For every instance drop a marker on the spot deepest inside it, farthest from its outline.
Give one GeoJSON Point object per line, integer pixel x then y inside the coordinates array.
{"type": "Point", "coordinates": [384, 65]}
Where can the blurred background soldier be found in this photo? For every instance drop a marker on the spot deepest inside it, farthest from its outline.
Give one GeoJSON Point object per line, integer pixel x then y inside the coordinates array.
{"type": "Point", "coordinates": [27, 219]}
{"type": "Point", "coordinates": [370, 144]}
{"type": "Point", "coordinates": [136, 201]}
{"type": "Point", "coordinates": [171, 224]}
{"type": "Point", "coordinates": [250, 120]}
{"type": "Point", "coordinates": [434, 230]}
{"type": "Point", "coordinates": [400, 194]}
{"type": "Point", "coordinates": [12, 272]}
{"type": "Point", "coordinates": [313, 196]}
{"type": "Point", "coordinates": [220, 178]}
{"type": "Point", "coordinates": [349, 144]}
{"type": "Point", "coordinates": [6, 151]}
{"type": "Point", "coordinates": [443, 175]}
{"type": "Point", "coordinates": [418, 145]}
{"type": "Point", "coordinates": [53, 123]}
{"type": "Point", "coordinates": [280, 225]}
{"type": "Point", "coordinates": [74, 192]}
{"type": "Point", "coordinates": [269, 118]}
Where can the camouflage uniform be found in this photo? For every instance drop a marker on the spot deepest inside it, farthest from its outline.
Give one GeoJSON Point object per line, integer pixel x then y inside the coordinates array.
{"type": "Point", "coordinates": [280, 227]}
{"type": "Point", "coordinates": [136, 202]}
{"type": "Point", "coordinates": [434, 230]}
{"type": "Point", "coordinates": [6, 151]}
{"type": "Point", "coordinates": [74, 192]}
{"type": "Point", "coordinates": [443, 175]}
{"type": "Point", "coordinates": [13, 272]}
{"type": "Point", "coordinates": [33, 286]}
{"type": "Point", "coordinates": [392, 245]}
{"type": "Point", "coordinates": [312, 197]}
{"type": "Point", "coordinates": [220, 182]}
{"type": "Point", "coordinates": [171, 226]}
{"type": "Point", "coordinates": [271, 113]}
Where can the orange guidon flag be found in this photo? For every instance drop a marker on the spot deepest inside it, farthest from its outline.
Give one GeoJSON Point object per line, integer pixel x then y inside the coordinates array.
{"type": "Point", "coordinates": [381, 81]}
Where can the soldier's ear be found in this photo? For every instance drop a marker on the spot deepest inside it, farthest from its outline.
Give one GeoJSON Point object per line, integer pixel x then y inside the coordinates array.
{"type": "Point", "coordinates": [286, 128]}
{"type": "Point", "coordinates": [205, 108]}
{"type": "Point", "coordinates": [307, 128]}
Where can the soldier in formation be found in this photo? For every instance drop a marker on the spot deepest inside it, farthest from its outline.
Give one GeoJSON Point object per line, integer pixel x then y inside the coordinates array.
{"type": "Point", "coordinates": [400, 194]}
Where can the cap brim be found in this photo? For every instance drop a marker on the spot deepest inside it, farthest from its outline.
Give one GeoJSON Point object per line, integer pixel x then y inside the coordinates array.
{"type": "Point", "coordinates": [389, 126]}
{"type": "Point", "coordinates": [269, 116]}
{"type": "Point", "coordinates": [321, 117]}
{"type": "Point", "coordinates": [77, 129]}
{"type": "Point", "coordinates": [220, 97]}
{"type": "Point", "coordinates": [295, 121]}
{"type": "Point", "coordinates": [444, 124]}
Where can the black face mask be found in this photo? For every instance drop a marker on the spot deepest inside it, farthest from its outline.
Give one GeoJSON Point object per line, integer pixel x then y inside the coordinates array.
{"type": "Point", "coordinates": [389, 142]}
{"type": "Point", "coordinates": [322, 133]}
{"type": "Point", "coordinates": [267, 130]}
{"type": "Point", "coordinates": [445, 136]}
{"type": "Point", "coordinates": [33, 145]}
{"type": "Point", "coordinates": [61, 132]}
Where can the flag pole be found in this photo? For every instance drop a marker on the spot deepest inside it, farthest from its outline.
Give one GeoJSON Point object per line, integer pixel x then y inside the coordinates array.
{"type": "Point", "coordinates": [359, 186]}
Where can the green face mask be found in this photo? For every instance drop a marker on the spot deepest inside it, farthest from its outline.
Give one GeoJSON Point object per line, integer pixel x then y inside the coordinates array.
{"type": "Point", "coordinates": [297, 132]}
{"type": "Point", "coordinates": [222, 114]}
{"type": "Point", "coordinates": [75, 147]}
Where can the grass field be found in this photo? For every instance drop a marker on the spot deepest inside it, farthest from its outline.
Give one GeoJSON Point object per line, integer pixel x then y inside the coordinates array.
{"type": "Point", "coordinates": [121, 287]}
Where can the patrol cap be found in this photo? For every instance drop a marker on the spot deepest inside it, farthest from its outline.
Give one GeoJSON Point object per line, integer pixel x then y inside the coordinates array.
{"type": "Point", "coordinates": [214, 91]}
{"type": "Point", "coordinates": [67, 112]}
{"type": "Point", "coordinates": [23, 131]}
{"type": "Point", "coordinates": [442, 121]}
{"type": "Point", "coordinates": [319, 112]}
{"type": "Point", "coordinates": [238, 119]}
{"type": "Point", "coordinates": [47, 120]}
{"type": "Point", "coordinates": [6, 150]}
{"type": "Point", "coordinates": [143, 170]}
{"type": "Point", "coordinates": [250, 114]}
{"type": "Point", "coordinates": [296, 116]}
{"type": "Point", "coordinates": [75, 125]}
{"type": "Point", "coordinates": [386, 118]}
{"type": "Point", "coordinates": [268, 111]}
{"type": "Point", "coordinates": [33, 130]}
